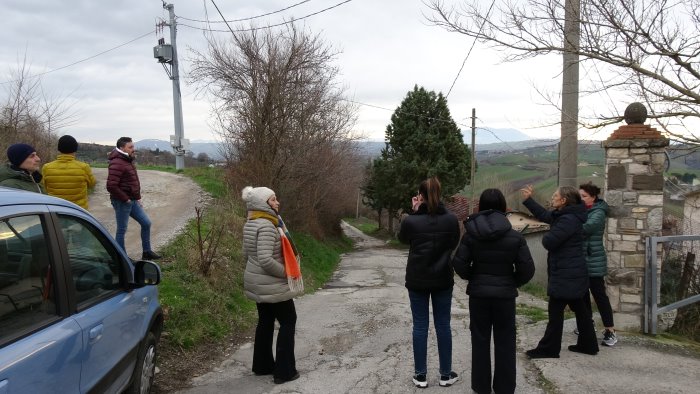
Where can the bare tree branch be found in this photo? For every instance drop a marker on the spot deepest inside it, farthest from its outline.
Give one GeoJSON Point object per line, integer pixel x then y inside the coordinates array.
{"type": "Point", "coordinates": [648, 49]}
{"type": "Point", "coordinates": [30, 114]}
{"type": "Point", "coordinates": [283, 118]}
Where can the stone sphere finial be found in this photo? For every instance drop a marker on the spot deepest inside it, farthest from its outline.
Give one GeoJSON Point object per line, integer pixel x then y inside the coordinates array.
{"type": "Point", "coordinates": [635, 113]}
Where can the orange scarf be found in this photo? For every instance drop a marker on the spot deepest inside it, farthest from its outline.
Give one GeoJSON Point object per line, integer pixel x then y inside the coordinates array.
{"type": "Point", "coordinates": [289, 252]}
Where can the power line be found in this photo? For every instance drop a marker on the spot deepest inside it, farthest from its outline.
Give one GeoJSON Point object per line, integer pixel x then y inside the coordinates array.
{"type": "Point", "coordinates": [470, 49]}
{"type": "Point", "coordinates": [457, 123]}
{"type": "Point", "coordinates": [270, 26]}
{"type": "Point", "coordinates": [404, 112]}
{"type": "Point", "coordinates": [153, 31]}
{"type": "Point", "coordinates": [245, 19]}
{"type": "Point", "coordinates": [82, 60]}
{"type": "Point", "coordinates": [430, 118]}
{"type": "Point", "coordinates": [222, 16]}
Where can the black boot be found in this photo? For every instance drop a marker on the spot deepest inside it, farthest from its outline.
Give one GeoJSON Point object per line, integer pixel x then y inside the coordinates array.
{"type": "Point", "coordinates": [150, 255]}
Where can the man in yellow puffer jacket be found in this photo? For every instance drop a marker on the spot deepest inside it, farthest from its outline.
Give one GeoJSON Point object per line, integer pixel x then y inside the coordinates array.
{"type": "Point", "coordinates": [67, 177]}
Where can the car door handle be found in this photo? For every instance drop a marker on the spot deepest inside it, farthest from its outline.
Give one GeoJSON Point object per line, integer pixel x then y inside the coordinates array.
{"type": "Point", "coordinates": [96, 333]}
{"type": "Point", "coordinates": [3, 386]}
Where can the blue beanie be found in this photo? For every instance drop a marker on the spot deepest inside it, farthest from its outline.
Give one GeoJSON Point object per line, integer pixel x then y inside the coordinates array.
{"type": "Point", "coordinates": [18, 153]}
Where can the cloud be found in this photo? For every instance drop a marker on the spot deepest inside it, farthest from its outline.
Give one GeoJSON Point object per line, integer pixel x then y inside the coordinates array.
{"type": "Point", "coordinates": [385, 48]}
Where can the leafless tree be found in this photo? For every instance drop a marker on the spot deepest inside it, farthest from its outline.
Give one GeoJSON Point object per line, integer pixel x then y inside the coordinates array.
{"type": "Point", "coordinates": [283, 118]}
{"type": "Point", "coordinates": [645, 50]}
{"type": "Point", "coordinates": [29, 114]}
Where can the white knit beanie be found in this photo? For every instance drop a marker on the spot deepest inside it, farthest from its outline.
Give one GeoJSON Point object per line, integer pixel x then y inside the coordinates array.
{"type": "Point", "coordinates": [257, 195]}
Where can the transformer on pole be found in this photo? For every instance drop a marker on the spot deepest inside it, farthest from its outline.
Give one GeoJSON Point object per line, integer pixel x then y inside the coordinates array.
{"type": "Point", "coordinates": [167, 55]}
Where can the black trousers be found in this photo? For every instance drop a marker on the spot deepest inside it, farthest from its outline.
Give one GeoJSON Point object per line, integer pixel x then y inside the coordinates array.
{"type": "Point", "coordinates": [282, 366]}
{"type": "Point", "coordinates": [485, 315]}
{"type": "Point", "coordinates": [551, 341]}
{"type": "Point", "coordinates": [597, 288]}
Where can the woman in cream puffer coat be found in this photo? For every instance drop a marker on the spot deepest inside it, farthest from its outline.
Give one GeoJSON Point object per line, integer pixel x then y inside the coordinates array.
{"type": "Point", "coordinates": [265, 282]}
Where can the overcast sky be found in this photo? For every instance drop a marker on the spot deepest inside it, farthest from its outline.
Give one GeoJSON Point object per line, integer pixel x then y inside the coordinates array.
{"type": "Point", "coordinates": [386, 47]}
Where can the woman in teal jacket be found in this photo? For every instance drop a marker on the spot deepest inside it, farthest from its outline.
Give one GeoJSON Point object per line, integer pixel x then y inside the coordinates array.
{"type": "Point", "coordinates": [596, 259]}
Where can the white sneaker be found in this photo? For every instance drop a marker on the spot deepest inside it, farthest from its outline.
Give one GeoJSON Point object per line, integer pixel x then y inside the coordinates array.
{"type": "Point", "coordinates": [449, 379]}
{"type": "Point", "coordinates": [420, 381]}
{"type": "Point", "coordinates": [609, 338]}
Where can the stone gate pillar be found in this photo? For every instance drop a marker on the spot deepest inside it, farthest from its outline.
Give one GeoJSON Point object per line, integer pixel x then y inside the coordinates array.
{"type": "Point", "coordinates": [634, 165]}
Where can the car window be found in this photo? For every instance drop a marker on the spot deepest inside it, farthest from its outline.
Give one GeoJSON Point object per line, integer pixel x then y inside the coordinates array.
{"type": "Point", "coordinates": [27, 296]}
{"type": "Point", "coordinates": [95, 265]}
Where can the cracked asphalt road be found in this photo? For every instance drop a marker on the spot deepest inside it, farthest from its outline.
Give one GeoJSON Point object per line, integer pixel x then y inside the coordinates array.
{"type": "Point", "coordinates": [354, 335]}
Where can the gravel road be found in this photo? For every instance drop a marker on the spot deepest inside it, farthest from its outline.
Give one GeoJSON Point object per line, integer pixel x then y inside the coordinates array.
{"type": "Point", "coordinates": [169, 200]}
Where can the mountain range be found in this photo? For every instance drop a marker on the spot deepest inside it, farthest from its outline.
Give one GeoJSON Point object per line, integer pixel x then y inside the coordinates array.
{"type": "Point", "coordinates": [487, 135]}
{"type": "Point", "coordinates": [486, 139]}
{"type": "Point", "coordinates": [211, 148]}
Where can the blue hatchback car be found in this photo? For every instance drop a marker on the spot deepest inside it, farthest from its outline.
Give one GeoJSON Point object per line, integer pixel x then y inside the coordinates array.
{"type": "Point", "coordinates": [76, 314]}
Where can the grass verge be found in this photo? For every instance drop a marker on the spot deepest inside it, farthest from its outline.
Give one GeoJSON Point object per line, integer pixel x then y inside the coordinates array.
{"type": "Point", "coordinates": [534, 313]}
{"type": "Point", "coordinates": [536, 290]}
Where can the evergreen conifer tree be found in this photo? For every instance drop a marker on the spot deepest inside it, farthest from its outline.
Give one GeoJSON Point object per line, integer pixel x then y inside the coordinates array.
{"type": "Point", "coordinates": [423, 141]}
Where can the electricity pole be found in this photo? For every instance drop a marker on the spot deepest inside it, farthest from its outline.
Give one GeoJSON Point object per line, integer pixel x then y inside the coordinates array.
{"type": "Point", "coordinates": [473, 164]}
{"type": "Point", "coordinates": [568, 145]}
{"type": "Point", "coordinates": [168, 54]}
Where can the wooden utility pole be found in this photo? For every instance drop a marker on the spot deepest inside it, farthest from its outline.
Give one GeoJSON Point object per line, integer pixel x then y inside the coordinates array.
{"type": "Point", "coordinates": [568, 145]}
{"type": "Point", "coordinates": [473, 164]}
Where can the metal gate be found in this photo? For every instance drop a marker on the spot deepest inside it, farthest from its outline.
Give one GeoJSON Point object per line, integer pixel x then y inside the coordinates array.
{"type": "Point", "coordinates": [652, 310]}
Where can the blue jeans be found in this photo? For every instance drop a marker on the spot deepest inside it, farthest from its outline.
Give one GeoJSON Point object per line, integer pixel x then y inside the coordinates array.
{"type": "Point", "coordinates": [442, 303]}
{"type": "Point", "coordinates": [124, 210]}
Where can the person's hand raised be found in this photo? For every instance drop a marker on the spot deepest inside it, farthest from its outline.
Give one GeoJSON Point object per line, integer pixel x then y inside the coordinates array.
{"type": "Point", "coordinates": [416, 201]}
{"type": "Point", "coordinates": [526, 192]}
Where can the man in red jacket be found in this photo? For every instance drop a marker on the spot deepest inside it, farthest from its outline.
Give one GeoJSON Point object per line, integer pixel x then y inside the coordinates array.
{"type": "Point", "coordinates": [125, 194]}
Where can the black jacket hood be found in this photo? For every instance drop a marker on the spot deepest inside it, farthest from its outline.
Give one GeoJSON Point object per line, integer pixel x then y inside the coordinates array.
{"type": "Point", "coordinates": [487, 225]}
{"type": "Point", "coordinates": [578, 210]}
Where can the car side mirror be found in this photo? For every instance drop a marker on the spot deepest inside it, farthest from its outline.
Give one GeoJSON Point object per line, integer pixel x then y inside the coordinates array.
{"type": "Point", "coordinates": [146, 273]}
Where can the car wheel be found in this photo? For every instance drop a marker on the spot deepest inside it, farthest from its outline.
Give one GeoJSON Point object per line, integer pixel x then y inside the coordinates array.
{"type": "Point", "coordinates": [144, 372]}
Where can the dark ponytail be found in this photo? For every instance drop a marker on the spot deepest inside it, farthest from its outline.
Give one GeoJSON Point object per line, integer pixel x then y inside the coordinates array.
{"type": "Point", "coordinates": [430, 189]}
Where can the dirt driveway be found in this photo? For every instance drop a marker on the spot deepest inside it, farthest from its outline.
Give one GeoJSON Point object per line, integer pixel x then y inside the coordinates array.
{"type": "Point", "coordinates": [169, 200]}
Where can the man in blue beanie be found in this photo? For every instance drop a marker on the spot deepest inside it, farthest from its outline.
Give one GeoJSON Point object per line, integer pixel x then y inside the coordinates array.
{"type": "Point", "coordinates": [22, 169]}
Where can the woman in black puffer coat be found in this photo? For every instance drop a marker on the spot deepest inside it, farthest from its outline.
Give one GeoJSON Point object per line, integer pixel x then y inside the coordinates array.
{"type": "Point", "coordinates": [567, 281]}
{"type": "Point", "coordinates": [495, 260]}
{"type": "Point", "coordinates": [432, 232]}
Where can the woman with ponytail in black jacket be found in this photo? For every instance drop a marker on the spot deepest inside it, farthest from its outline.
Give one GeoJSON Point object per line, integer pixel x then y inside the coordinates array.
{"type": "Point", "coordinates": [432, 232]}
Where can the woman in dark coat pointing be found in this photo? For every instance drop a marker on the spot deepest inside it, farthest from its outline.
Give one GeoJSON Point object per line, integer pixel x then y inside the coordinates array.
{"type": "Point", "coordinates": [567, 281]}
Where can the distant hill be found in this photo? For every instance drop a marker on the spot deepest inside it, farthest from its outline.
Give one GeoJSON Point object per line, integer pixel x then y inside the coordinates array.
{"type": "Point", "coordinates": [488, 135]}
{"type": "Point", "coordinates": [490, 139]}
{"type": "Point", "coordinates": [212, 149]}
{"type": "Point", "coordinates": [510, 139]}
{"type": "Point", "coordinates": [371, 148]}
{"type": "Point", "coordinates": [515, 145]}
